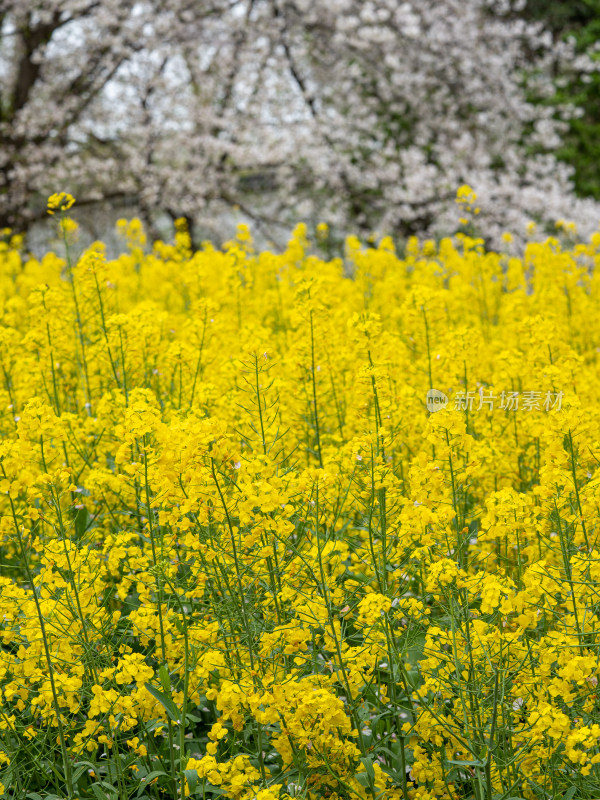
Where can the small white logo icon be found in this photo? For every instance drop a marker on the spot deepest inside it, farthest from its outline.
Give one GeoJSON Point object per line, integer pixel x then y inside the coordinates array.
{"type": "Point", "coordinates": [436, 400]}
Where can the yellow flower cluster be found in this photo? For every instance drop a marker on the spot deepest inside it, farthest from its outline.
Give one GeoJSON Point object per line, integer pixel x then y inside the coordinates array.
{"type": "Point", "coordinates": [244, 553]}
{"type": "Point", "coordinates": [60, 201]}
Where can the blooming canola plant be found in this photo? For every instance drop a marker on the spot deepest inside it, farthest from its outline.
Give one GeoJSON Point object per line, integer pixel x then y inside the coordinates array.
{"type": "Point", "coordinates": [239, 556]}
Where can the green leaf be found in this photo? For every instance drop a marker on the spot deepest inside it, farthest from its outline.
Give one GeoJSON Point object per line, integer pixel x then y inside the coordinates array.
{"type": "Point", "coordinates": [165, 678]}
{"type": "Point", "coordinates": [368, 765]}
{"type": "Point", "coordinates": [79, 772]}
{"type": "Point", "coordinates": [145, 780]}
{"type": "Point", "coordinates": [569, 794]}
{"type": "Point", "coordinates": [363, 779]}
{"type": "Point", "coordinates": [104, 790]}
{"type": "Point", "coordinates": [157, 773]}
{"type": "Point", "coordinates": [169, 706]}
{"type": "Point", "coordinates": [467, 763]}
{"type": "Point", "coordinates": [191, 776]}
{"type": "Point", "coordinates": [81, 522]}
{"type": "Point", "coordinates": [394, 755]}
{"type": "Point", "coordinates": [84, 763]}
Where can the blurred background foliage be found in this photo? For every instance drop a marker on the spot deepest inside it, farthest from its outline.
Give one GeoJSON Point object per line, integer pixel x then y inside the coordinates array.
{"type": "Point", "coordinates": [580, 21]}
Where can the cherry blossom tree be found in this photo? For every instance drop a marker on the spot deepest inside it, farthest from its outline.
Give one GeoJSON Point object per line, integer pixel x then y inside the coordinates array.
{"type": "Point", "coordinates": [363, 113]}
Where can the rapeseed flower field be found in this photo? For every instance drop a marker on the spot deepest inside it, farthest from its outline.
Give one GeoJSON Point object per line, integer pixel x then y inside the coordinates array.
{"type": "Point", "coordinates": [284, 525]}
